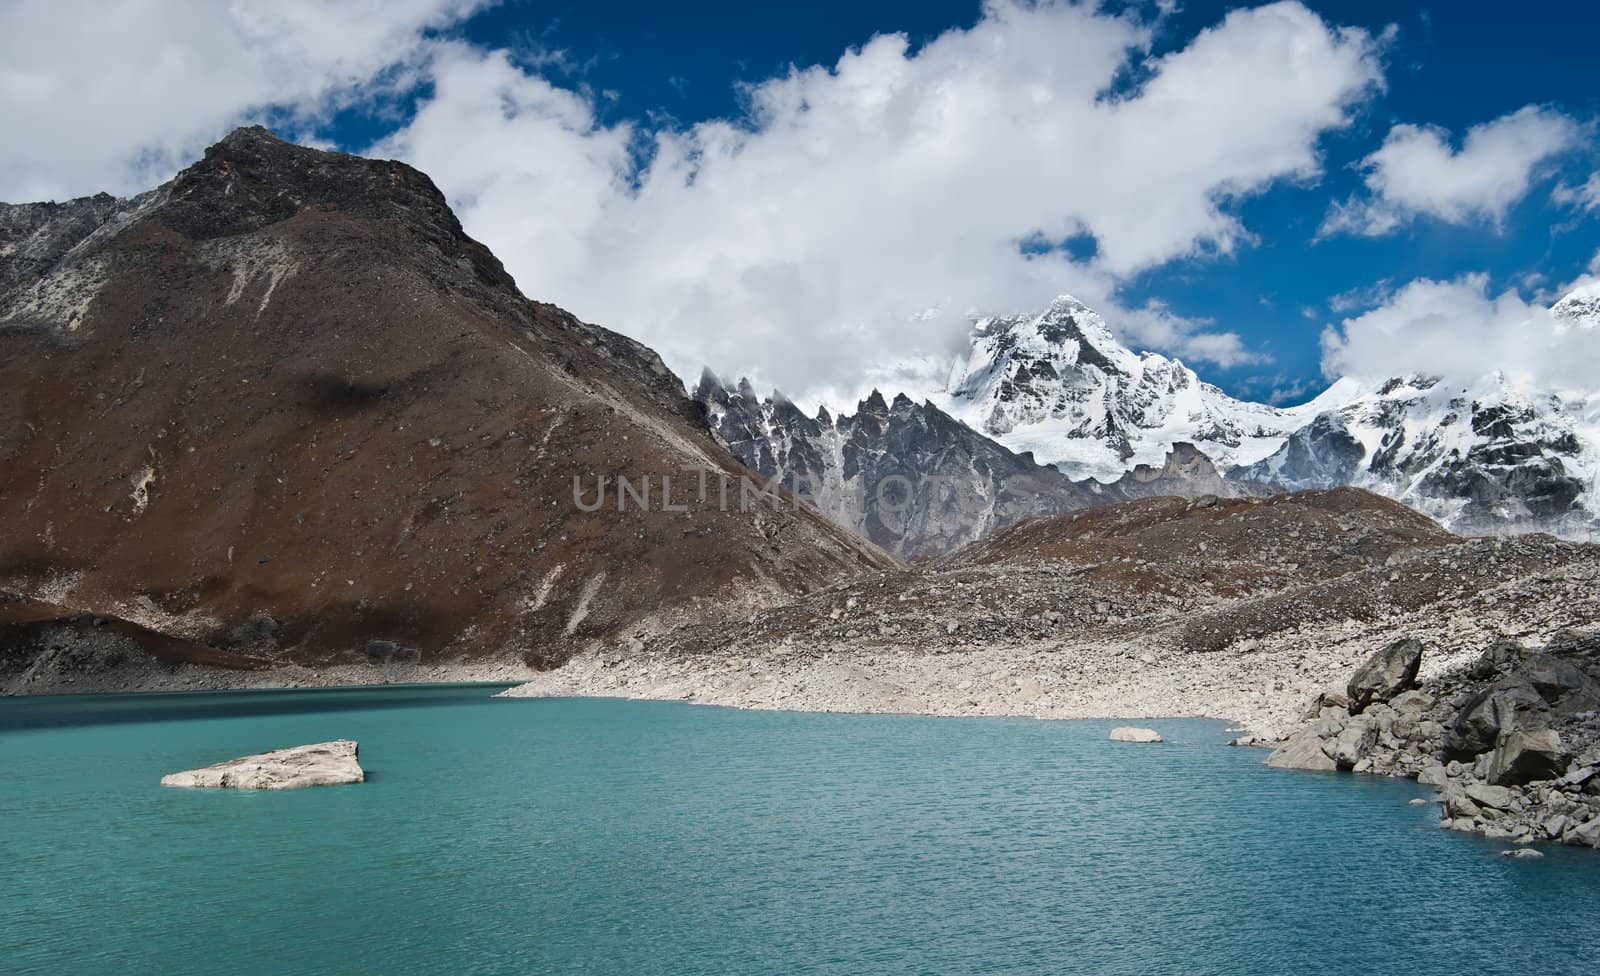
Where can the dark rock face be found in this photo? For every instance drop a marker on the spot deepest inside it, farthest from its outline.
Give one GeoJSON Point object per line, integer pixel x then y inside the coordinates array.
{"type": "Point", "coordinates": [1484, 718]}
{"type": "Point", "coordinates": [36, 236]}
{"type": "Point", "coordinates": [1386, 674]}
{"type": "Point", "coordinates": [287, 386]}
{"type": "Point", "coordinates": [918, 482]}
{"type": "Point", "coordinates": [907, 476]}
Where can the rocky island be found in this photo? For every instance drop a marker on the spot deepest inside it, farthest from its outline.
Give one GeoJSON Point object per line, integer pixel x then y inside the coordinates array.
{"type": "Point", "coordinates": [320, 764]}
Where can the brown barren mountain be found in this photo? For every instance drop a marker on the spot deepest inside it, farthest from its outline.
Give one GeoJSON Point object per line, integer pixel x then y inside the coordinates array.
{"type": "Point", "coordinates": [283, 408]}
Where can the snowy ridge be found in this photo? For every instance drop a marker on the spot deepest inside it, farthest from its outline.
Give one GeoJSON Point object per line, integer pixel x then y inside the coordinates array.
{"type": "Point", "coordinates": [1481, 456]}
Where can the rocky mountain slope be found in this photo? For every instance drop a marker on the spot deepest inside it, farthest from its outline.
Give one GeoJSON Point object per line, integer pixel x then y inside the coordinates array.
{"type": "Point", "coordinates": [1482, 457]}
{"type": "Point", "coordinates": [283, 409]}
{"type": "Point", "coordinates": [904, 475]}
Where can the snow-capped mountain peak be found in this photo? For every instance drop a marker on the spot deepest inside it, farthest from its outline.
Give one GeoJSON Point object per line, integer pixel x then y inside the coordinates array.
{"type": "Point", "coordinates": [1061, 385]}
{"type": "Point", "coordinates": [1581, 305]}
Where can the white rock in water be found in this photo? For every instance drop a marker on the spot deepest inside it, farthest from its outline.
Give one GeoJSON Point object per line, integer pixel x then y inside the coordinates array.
{"type": "Point", "coordinates": [1129, 733]}
{"type": "Point", "coordinates": [322, 764]}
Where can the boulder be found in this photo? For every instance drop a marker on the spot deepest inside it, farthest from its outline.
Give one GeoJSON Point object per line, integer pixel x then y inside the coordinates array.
{"type": "Point", "coordinates": [321, 764]}
{"type": "Point", "coordinates": [1412, 704]}
{"type": "Point", "coordinates": [1522, 852]}
{"type": "Point", "coordinates": [1485, 795]}
{"type": "Point", "coordinates": [1353, 742]}
{"type": "Point", "coordinates": [1522, 757]}
{"type": "Point", "coordinates": [1333, 696]}
{"type": "Point", "coordinates": [1457, 805]}
{"type": "Point", "coordinates": [1553, 678]}
{"type": "Point", "coordinates": [1584, 835]}
{"type": "Point", "coordinates": [1579, 775]}
{"type": "Point", "coordinates": [1302, 751]}
{"type": "Point", "coordinates": [1433, 775]}
{"type": "Point", "coordinates": [1386, 674]}
{"type": "Point", "coordinates": [1482, 720]}
{"type": "Point", "coordinates": [1129, 733]}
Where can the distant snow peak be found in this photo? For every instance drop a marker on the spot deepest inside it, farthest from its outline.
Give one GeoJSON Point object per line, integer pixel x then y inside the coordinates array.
{"type": "Point", "coordinates": [1061, 385]}
{"type": "Point", "coordinates": [1581, 306]}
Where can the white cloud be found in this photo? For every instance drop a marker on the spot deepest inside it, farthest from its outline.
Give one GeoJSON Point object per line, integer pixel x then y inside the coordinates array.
{"type": "Point", "coordinates": [1585, 196]}
{"type": "Point", "coordinates": [116, 94]}
{"type": "Point", "coordinates": [805, 241]}
{"type": "Point", "coordinates": [1418, 172]}
{"type": "Point", "coordinates": [1458, 330]}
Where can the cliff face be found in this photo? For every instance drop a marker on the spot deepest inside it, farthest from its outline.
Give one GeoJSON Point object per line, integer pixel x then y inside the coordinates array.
{"type": "Point", "coordinates": [284, 407]}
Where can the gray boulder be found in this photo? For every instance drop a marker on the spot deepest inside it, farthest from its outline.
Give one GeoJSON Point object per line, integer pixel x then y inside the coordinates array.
{"type": "Point", "coordinates": [1586, 835]}
{"type": "Point", "coordinates": [1553, 678]}
{"type": "Point", "coordinates": [1496, 797]}
{"type": "Point", "coordinates": [1412, 703]}
{"type": "Point", "coordinates": [1131, 733]}
{"type": "Point", "coordinates": [1525, 756]}
{"type": "Point", "coordinates": [1302, 751]}
{"type": "Point", "coordinates": [1353, 742]}
{"type": "Point", "coordinates": [1433, 775]}
{"type": "Point", "coordinates": [1386, 674]}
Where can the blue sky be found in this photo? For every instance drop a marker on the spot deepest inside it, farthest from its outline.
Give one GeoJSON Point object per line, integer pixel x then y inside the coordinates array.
{"type": "Point", "coordinates": [592, 93]}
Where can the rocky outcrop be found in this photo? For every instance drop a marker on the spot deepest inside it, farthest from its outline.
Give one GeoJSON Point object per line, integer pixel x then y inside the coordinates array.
{"type": "Point", "coordinates": [321, 764]}
{"type": "Point", "coordinates": [1130, 733]}
{"type": "Point", "coordinates": [1511, 740]}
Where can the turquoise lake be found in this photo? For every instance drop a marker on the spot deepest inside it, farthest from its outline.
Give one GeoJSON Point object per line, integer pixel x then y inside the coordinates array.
{"type": "Point", "coordinates": [613, 837]}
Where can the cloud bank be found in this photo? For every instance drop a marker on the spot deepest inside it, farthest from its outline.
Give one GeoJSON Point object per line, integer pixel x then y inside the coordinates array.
{"type": "Point", "coordinates": [115, 95]}
{"type": "Point", "coordinates": [1417, 172]}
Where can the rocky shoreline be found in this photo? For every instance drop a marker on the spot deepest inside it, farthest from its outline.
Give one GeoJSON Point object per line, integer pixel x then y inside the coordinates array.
{"type": "Point", "coordinates": [1511, 742]}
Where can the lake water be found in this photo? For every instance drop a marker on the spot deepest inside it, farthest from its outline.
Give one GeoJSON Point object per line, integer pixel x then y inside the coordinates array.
{"type": "Point", "coordinates": [609, 837]}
